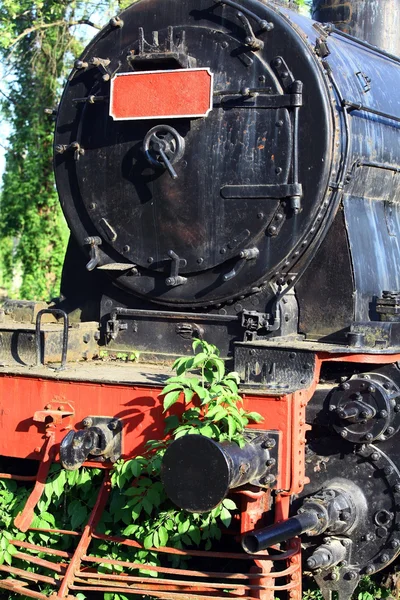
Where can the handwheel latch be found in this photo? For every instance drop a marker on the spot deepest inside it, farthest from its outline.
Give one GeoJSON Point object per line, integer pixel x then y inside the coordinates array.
{"type": "Point", "coordinates": [163, 147]}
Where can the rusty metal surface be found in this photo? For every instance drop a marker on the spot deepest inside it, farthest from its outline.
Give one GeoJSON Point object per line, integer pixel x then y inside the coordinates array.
{"type": "Point", "coordinates": [77, 571]}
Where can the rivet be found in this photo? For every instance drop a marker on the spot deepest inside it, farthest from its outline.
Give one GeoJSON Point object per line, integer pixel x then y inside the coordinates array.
{"type": "Point", "coordinates": [383, 414]}
{"type": "Point", "coordinates": [200, 261]}
{"type": "Point", "coordinates": [92, 205]}
{"type": "Point", "coordinates": [344, 434]}
{"type": "Point", "coordinates": [370, 569]}
{"type": "Point", "coordinates": [390, 430]}
{"type": "Point", "coordinates": [396, 488]}
{"type": "Point", "coordinates": [150, 260]}
{"type": "Point", "coordinates": [278, 170]}
{"type": "Point", "coordinates": [371, 389]}
{"type": "Point", "coordinates": [126, 248]}
{"type": "Point", "coordinates": [222, 251]}
{"type": "Point", "coordinates": [369, 437]}
{"type": "Point", "coordinates": [279, 123]}
{"type": "Point", "coordinates": [375, 456]}
{"type": "Point", "coordinates": [260, 215]}
{"type": "Point", "coordinates": [394, 544]}
{"type": "Point", "coordinates": [272, 230]}
{"type": "Point", "coordinates": [224, 44]}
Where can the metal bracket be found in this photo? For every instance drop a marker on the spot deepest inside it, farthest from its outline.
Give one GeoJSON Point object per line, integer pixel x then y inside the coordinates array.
{"type": "Point", "coordinates": [268, 368]}
{"type": "Point", "coordinates": [94, 242]}
{"type": "Point", "coordinates": [269, 440]}
{"type": "Point", "coordinates": [74, 147]}
{"type": "Point", "coordinates": [251, 40]}
{"type": "Point", "coordinates": [114, 326]}
{"type": "Point", "coordinates": [284, 73]}
{"type": "Point", "coordinates": [56, 312]}
{"type": "Point", "coordinates": [56, 411]}
{"type": "Point", "coordinates": [95, 61]}
{"type": "Point", "coordinates": [244, 256]}
{"type": "Point", "coordinates": [155, 52]}
{"type": "Point", "coordinates": [175, 279]}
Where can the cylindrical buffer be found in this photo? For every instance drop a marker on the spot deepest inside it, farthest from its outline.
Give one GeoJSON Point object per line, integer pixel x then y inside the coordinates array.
{"type": "Point", "coordinates": [198, 472]}
{"type": "Point", "coordinates": [269, 536]}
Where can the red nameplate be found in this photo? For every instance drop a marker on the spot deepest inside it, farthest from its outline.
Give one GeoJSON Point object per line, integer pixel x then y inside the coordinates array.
{"type": "Point", "coordinates": [161, 94]}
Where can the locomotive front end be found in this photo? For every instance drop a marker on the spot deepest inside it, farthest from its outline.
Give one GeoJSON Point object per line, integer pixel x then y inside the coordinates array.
{"type": "Point", "coordinates": [229, 174]}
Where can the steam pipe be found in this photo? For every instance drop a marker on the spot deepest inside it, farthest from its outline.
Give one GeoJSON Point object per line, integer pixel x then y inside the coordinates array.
{"type": "Point", "coordinates": [269, 536]}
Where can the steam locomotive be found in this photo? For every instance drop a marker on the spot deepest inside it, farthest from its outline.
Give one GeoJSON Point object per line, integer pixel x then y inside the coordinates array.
{"type": "Point", "coordinates": [229, 171]}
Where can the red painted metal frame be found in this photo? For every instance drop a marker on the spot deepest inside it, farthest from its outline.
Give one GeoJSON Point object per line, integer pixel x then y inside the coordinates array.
{"type": "Point", "coordinates": [38, 422]}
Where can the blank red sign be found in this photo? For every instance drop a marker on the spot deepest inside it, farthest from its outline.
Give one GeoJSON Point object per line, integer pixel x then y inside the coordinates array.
{"type": "Point", "coordinates": [161, 94]}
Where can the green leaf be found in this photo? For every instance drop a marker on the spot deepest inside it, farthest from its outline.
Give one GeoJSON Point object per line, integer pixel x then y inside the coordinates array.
{"type": "Point", "coordinates": [170, 399]}
{"type": "Point", "coordinates": [234, 376]}
{"type": "Point", "coordinates": [148, 541]}
{"type": "Point", "coordinates": [229, 504]}
{"type": "Point", "coordinates": [254, 416]}
{"type": "Point", "coordinates": [232, 426]}
{"type": "Point", "coordinates": [135, 467]}
{"type": "Point", "coordinates": [163, 535]}
{"type": "Point", "coordinates": [171, 387]}
{"type": "Point", "coordinates": [79, 516]}
{"type": "Point", "coordinates": [188, 395]}
{"type": "Point", "coordinates": [225, 516]}
{"type": "Point", "coordinates": [195, 535]}
{"type": "Point", "coordinates": [184, 526]}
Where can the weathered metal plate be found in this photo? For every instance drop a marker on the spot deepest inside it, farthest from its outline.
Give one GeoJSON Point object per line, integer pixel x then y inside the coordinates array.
{"type": "Point", "coordinates": [161, 94]}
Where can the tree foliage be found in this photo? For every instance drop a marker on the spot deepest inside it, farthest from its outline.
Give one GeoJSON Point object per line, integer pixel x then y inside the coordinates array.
{"type": "Point", "coordinates": [38, 41]}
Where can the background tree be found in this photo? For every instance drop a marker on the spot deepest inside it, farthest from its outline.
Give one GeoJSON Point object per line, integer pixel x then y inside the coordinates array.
{"type": "Point", "coordinates": [38, 41]}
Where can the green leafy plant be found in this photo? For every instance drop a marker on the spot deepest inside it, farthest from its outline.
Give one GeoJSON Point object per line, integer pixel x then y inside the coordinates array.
{"type": "Point", "coordinates": [210, 405]}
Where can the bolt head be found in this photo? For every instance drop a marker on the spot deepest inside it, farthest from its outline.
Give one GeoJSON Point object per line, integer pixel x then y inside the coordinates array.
{"type": "Point", "coordinates": [375, 456]}
{"type": "Point", "coordinates": [394, 544]}
{"type": "Point", "coordinates": [384, 558]}
{"type": "Point", "coordinates": [87, 422]}
{"type": "Point", "coordinates": [334, 576]}
{"type": "Point", "coordinates": [369, 437]}
{"type": "Point", "coordinates": [383, 414]}
{"type": "Point", "coordinates": [351, 575]}
{"type": "Point", "coordinates": [344, 434]}
{"type": "Point", "coordinates": [396, 488]}
{"type": "Point", "coordinates": [390, 431]}
{"type": "Point", "coordinates": [370, 569]}
{"type": "Point", "coordinates": [113, 425]}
